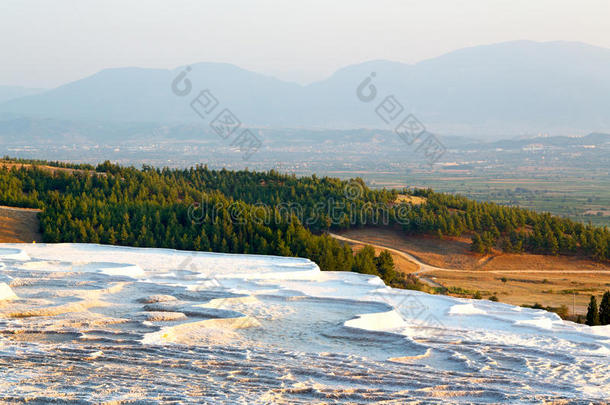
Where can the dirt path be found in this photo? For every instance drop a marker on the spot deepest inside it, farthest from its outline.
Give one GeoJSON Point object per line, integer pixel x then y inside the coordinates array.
{"type": "Point", "coordinates": [454, 253]}
{"type": "Point", "coordinates": [553, 287]}
{"type": "Point", "coordinates": [424, 268]}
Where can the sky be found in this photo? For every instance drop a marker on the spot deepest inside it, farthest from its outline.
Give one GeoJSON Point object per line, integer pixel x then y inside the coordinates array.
{"type": "Point", "coordinates": [47, 43]}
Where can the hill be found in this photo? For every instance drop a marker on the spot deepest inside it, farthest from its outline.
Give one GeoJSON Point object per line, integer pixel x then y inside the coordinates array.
{"type": "Point", "coordinates": [12, 92]}
{"type": "Point", "coordinates": [271, 213]}
{"type": "Point", "coordinates": [494, 91]}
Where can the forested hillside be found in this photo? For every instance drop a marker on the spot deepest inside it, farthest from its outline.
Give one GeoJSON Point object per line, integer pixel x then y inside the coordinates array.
{"type": "Point", "coordinates": [272, 213]}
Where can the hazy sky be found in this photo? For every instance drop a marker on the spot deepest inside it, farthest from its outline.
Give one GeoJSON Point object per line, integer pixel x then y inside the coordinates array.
{"type": "Point", "coordinates": [46, 43]}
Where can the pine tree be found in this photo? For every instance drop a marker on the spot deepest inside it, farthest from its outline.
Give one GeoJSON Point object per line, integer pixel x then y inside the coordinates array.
{"type": "Point", "coordinates": [507, 246]}
{"type": "Point", "coordinates": [364, 261]}
{"type": "Point", "coordinates": [477, 244]}
{"type": "Point", "coordinates": [124, 236]}
{"type": "Point", "coordinates": [385, 266]}
{"type": "Point", "coordinates": [592, 314]}
{"type": "Point", "coordinates": [604, 309]}
{"type": "Point", "coordinates": [111, 237]}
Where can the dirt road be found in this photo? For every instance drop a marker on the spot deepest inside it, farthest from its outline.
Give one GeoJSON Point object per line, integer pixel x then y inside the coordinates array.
{"type": "Point", "coordinates": [424, 268]}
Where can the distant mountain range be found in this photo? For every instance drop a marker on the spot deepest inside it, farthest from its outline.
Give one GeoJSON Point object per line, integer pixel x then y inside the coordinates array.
{"type": "Point", "coordinates": [47, 131]}
{"type": "Point", "coordinates": [12, 92]}
{"type": "Point", "coordinates": [493, 91]}
{"type": "Point", "coordinates": [590, 140]}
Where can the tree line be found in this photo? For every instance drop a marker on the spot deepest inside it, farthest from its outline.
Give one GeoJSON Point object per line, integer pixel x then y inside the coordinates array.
{"type": "Point", "coordinates": [150, 208]}
{"type": "Point", "coordinates": [153, 207]}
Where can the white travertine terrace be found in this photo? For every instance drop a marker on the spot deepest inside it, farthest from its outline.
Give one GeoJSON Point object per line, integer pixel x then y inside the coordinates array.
{"type": "Point", "coordinates": [95, 323]}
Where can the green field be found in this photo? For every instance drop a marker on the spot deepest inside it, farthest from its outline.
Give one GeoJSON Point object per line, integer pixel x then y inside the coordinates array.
{"type": "Point", "coordinates": [582, 196]}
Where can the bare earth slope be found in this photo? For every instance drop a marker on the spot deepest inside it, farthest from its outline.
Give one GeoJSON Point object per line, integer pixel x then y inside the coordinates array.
{"type": "Point", "coordinates": [513, 278]}
{"type": "Point", "coordinates": [19, 225]}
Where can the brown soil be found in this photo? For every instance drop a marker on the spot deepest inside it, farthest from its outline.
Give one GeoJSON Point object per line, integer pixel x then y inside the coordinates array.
{"type": "Point", "coordinates": [53, 169]}
{"type": "Point", "coordinates": [528, 279]}
{"type": "Point", "coordinates": [415, 200]}
{"type": "Point", "coordinates": [19, 225]}
{"type": "Point", "coordinates": [547, 289]}
{"type": "Point", "coordinates": [454, 253]}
